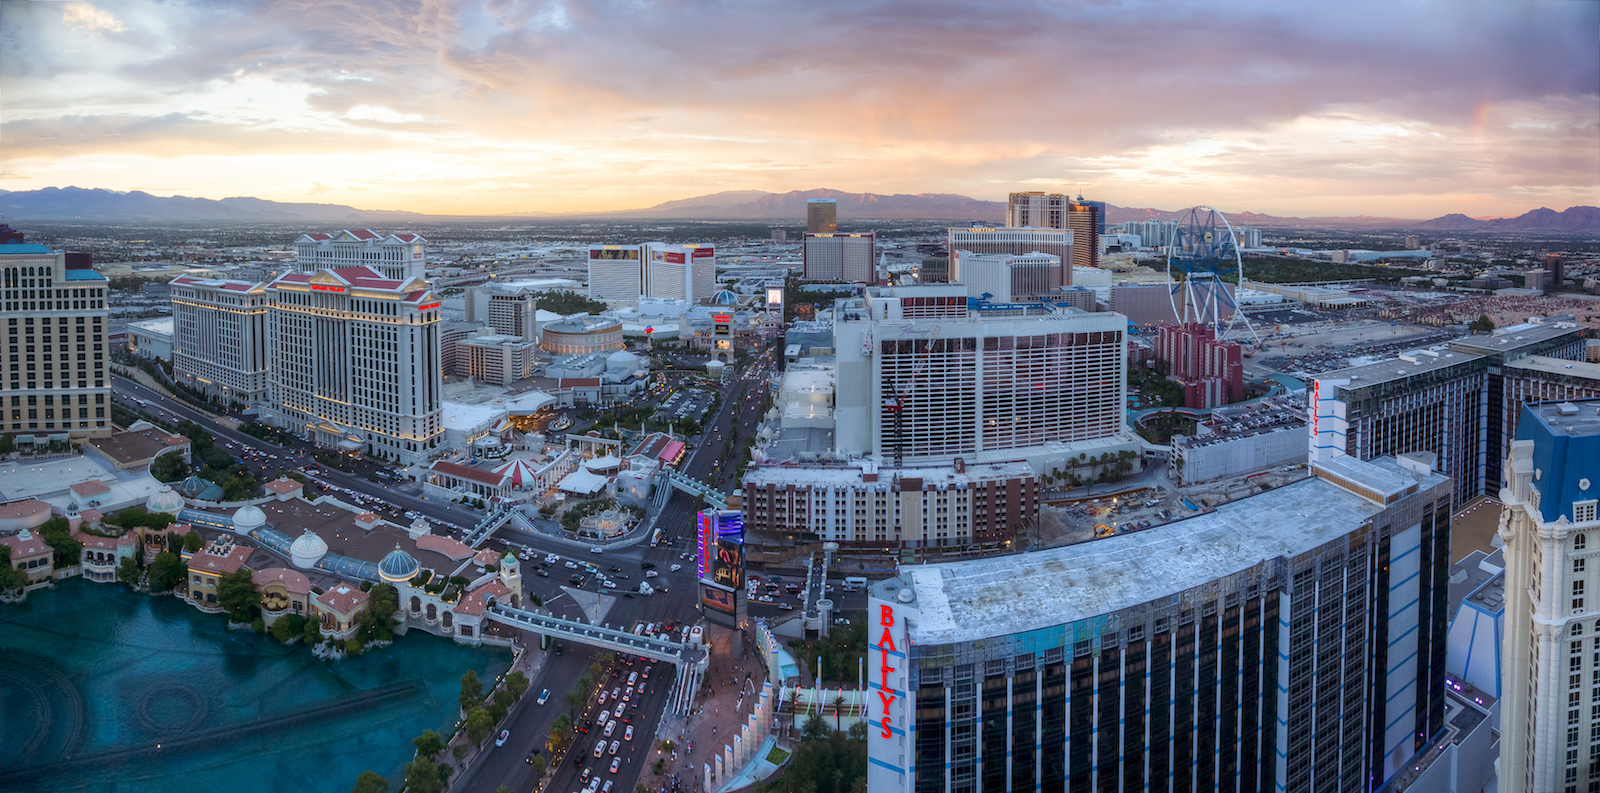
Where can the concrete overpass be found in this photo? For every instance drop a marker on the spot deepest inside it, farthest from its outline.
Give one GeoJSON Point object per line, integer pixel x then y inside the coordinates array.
{"type": "Point", "coordinates": [671, 477]}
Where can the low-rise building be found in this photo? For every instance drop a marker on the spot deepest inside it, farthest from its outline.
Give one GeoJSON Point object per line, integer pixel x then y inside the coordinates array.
{"type": "Point", "coordinates": [151, 338]}
{"type": "Point", "coordinates": [101, 556]}
{"type": "Point", "coordinates": [857, 505]}
{"type": "Point", "coordinates": [134, 450]}
{"type": "Point", "coordinates": [32, 555]}
{"type": "Point", "coordinates": [338, 610]}
{"type": "Point", "coordinates": [221, 557]}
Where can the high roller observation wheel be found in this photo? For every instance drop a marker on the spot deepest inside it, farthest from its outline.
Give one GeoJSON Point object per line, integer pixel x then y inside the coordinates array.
{"type": "Point", "coordinates": [1200, 247]}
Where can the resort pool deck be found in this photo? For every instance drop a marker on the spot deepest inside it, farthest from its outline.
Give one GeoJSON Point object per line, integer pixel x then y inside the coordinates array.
{"type": "Point", "coordinates": [103, 689]}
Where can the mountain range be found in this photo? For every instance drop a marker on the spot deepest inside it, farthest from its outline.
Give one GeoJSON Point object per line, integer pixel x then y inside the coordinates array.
{"type": "Point", "coordinates": [68, 203]}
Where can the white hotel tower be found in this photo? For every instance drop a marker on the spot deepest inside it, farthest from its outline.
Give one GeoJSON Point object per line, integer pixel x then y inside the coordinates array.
{"type": "Point", "coordinates": [1550, 669]}
{"type": "Point", "coordinates": [219, 337]}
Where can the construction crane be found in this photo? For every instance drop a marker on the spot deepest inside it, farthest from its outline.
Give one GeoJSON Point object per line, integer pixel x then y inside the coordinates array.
{"type": "Point", "coordinates": [897, 403]}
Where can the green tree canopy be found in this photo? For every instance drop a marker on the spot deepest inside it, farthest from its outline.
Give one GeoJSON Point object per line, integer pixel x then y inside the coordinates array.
{"type": "Point", "coordinates": [128, 571]}
{"type": "Point", "coordinates": [471, 690]}
{"type": "Point", "coordinates": [517, 683]}
{"type": "Point", "coordinates": [11, 579]}
{"type": "Point", "coordinates": [429, 744]}
{"type": "Point", "coordinates": [193, 542]}
{"type": "Point", "coordinates": [370, 782]}
{"type": "Point", "coordinates": [167, 570]}
{"type": "Point", "coordinates": [134, 517]}
{"type": "Point", "coordinates": [237, 593]}
{"type": "Point", "coordinates": [57, 533]}
{"type": "Point", "coordinates": [169, 468]}
{"type": "Point", "coordinates": [422, 776]}
{"type": "Point", "coordinates": [479, 725]}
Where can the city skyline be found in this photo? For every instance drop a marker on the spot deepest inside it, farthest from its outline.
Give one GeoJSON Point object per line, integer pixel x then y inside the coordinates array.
{"type": "Point", "coordinates": [1410, 110]}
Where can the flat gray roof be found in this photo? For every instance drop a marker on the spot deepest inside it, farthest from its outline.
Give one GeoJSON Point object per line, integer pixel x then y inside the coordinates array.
{"type": "Point", "coordinates": [1513, 337]}
{"type": "Point", "coordinates": [970, 600]}
{"type": "Point", "coordinates": [1562, 366]}
{"type": "Point", "coordinates": [1397, 369]}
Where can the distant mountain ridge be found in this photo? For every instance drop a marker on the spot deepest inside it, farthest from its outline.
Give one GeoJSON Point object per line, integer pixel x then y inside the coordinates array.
{"type": "Point", "coordinates": [65, 203]}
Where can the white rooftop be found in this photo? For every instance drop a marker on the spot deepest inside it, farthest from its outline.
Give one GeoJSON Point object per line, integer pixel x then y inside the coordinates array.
{"type": "Point", "coordinates": [976, 599]}
{"type": "Point", "coordinates": [466, 418]}
{"type": "Point", "coordinates": [161, 326]}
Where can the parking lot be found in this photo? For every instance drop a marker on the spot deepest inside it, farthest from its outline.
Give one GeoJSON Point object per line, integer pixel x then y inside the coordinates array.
{"type": "Point", "coordinates": [690, 404]}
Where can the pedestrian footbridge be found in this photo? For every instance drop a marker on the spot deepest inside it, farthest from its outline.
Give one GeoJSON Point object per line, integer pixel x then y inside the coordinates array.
{"type": "Point", "coordinates": [671, 477]}
{"type": "Point", "coordinates": [690, 659]}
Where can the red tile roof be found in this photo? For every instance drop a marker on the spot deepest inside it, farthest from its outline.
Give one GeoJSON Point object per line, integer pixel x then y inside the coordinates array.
{"type": "Point", "coordinates": [468, 472]}
{"type": "Point", "coordinates": [26, 508]}
{"type": "Point", "coordinates": [578, 382]}
{"type": "Point", "coordinates": [237, 286]}
{"type": "Point", "coordinates": [283, 486]}
{"type": "Point", "coordinates": [476, 601]}
{"type": "Point", "coordinates": [407, 237]}
{"type": "Point", "coordinates": [92, 487]}
{"type": "Point", "coordinates": [451, 549]}
{"type": "Point", "coordinates": [319, 236]}
{"type": "Point", "coordinates": [25, 549]}
{"type": "Point", "coordinates": [343, 598]}
{"type": "Point", "coordinates": [292, 580]}
{"type": "Point", "coordinates": [364, 234]}
{"type": "Point", "coordinates": [207, 562]}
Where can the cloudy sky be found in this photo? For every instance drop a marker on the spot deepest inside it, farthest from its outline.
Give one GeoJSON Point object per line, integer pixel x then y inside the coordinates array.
{"type": "Point", "coordinates": [1380, 107]}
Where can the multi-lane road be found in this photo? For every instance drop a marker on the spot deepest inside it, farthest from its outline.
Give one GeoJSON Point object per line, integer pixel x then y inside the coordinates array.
{"type": "Point", "coordinates": [676, 598]}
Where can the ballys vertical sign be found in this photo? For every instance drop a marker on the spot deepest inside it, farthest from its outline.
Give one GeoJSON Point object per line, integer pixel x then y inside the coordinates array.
{"type": "Point", "coordinates": [891, 661]}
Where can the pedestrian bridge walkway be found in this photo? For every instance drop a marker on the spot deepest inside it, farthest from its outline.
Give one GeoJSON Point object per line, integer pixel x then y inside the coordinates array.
{"type": "Point", "coordinates": [674, 478]}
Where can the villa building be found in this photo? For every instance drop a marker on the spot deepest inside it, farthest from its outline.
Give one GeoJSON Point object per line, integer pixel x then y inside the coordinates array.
{"type": "Point", "coordinates": [221, 557]}
{"type": "Point", "coordinates": [31, 555]}
{"type": "Point", "coordinates": [339, 609]}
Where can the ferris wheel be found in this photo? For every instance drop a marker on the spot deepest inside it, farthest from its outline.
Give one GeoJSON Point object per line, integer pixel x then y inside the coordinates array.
{"type": "Point", "coordinates": [1203, 258]}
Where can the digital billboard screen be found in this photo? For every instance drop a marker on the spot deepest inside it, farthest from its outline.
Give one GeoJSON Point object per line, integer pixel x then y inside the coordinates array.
{"type": "Point", "coordinates": [728, 567]}
{"type": "Point", "coordinates": [716, 598]}
{"type": "Point", "coordinates": [620, 253]}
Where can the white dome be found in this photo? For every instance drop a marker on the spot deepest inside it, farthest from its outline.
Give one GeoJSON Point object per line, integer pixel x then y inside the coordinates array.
{"type": "Point", "coordinates": [249, 518]}
{"type": "Point", "coordinates": [164, 500]}
{"type": "Point", "coordinates": [307, 550]}
{"type": "Point", "coordinates": [622, 357]}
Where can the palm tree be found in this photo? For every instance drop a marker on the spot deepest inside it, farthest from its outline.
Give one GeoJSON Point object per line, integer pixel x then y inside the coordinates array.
{"type": "Point", "coordinates": [838, 703]}
{"type": "Point", "coordinates": [792, 699]}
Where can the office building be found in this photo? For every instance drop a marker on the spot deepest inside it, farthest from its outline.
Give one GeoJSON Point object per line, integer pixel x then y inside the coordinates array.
{"type": "Point", "coordinates": [1550, 703]}
{"type": "Point", "coordinates": [840, 258]}
{"type": "Point", "coordinates": [397, 257]}
{"type": "Point", "coordinates": [1211, 369]}
{"type": "Point", "coordinates": [54, 310]}
{"type": "Point", "coordinates": [1556, 271]}
{"type": "Point", "coordinates": [615, 273]}
{"type": "Point", "coordinates": [509, 309]}
{"type": "Point", "coordinates": [1156, 234]}
{"type": "Point", "coordinates": [679, 271]}
{"type": "Point", "coordinates": [1248, 237]}
{"type": "Point", "coordinates": [1010, 241]}
{"type": "Point", "coordinates": [1460, 403]}
{"type": "Point", "coordinates": [1008, 278]}
{"type": "Point", "coordinates": [354, 362]}
{"type": "Point", "coordinates": [921, 377]}
{"type": "Point", "coordinates": [1086, 220]}
{"type": "Point", "coordinates": [219, 338]}
{"type": "Point", "coordinates": [822, 216]}
{"type": "Point", "coordinates": [1236, 650]}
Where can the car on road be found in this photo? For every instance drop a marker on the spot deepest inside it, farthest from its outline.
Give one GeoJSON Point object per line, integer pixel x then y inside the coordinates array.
{"type": "Point", "coordinates": [616, 762]}
{"type": "Point", "coordinates": [603, 697]}
{"type": "Point", "coordinates": [571, 565]}
{"type": "Point", "coordinates": [599, 747]}
{"type": "Point", "coordinates": [584, 775]}
{"type": "Point", "coordinates": [611, 727]}
{"type": "Point", "coordinates": [606, 788]}
{"type": "Point", "coordinates": [627, 734]}
{"type": "Point", "coordinates": [543, 573]}
{"type": "Point", "coordinates": [614, 746]}
{"type": "Point", "coordinates": [504, 736]}
{"type": "Point", "coordinates": [596, 549]}
{"type": "Point", "coordinates": [544, 696]}
{"type": "Point", "coordinates": [594, 784]}
{"type": "Point", "coordinates": [650, 574]}
{"type": "Point", "coordinates": [605, 715]}
{"type": "Point", "coordinates": [675, 568]}
{"type": "Point", "coordinates": [786, 606]}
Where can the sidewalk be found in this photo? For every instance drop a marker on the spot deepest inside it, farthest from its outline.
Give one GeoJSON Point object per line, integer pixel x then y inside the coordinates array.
{"type": "Point", "coordinates": [528, 663]}
{"type": "Point", "coordinates": [725, 701]}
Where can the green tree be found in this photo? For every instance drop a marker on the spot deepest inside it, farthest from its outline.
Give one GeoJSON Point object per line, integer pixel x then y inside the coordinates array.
{"type": "Point", "coordinates": [128, 571]}
{"type": "Point", "coordinates": [11, 579]}
{"type": "Point", "coordinates": [57, 533]}
{"type": "Point", "coordinates": [560, 734]}
{"type": "Point", "coordinates": [370, 782]}
{"type": "Point", "coordinates": [815, 729]}
{"type": "Point", "coordinates": [517, 683]}
{"type": "Point", "coordinates": [237, 594]}
{"type": "Point", "coordinates": [471, 690]}
{"type": "Point", "coordinates": [167, 570]}
{"type": "Point", "coordinates": [479, 725]}
{"type": "Point", "coordinates": [7, 444]}
{"type": "Point", "coordinates": [193, 542]}
{"type": "Point", "coordinates": [377, 622]}
{"type": "Point", "coordinates": [575, 699]}
{"type": "Point", "coordinates": [428, 744]}
{"type": "Point", "coordinates": [287, 627]}
{"type": "Point", "coordinates": [169, 468]}
{"type": "Point", "coordinates": [311, 631]}
{"type": "Point", "coordinates": [422, 776]}
{"type": "Point", "coordinates": [459, 751]}
{"type": "Point", "coordinates": [838, 705]}
{"type": "Point", "coordinates": [537, 766]}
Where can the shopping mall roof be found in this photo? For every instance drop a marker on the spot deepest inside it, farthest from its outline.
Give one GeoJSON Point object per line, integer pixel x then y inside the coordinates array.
{"type": "Point", "coordinates": [981, 598]}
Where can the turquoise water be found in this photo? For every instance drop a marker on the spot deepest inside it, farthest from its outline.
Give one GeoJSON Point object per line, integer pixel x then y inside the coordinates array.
{"type": "Point", "coordinates": [102, 689]}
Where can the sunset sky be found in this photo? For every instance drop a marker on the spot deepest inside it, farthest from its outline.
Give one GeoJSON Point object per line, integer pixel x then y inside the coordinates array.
{"type": "Point", "coordinates": [1410, 109]}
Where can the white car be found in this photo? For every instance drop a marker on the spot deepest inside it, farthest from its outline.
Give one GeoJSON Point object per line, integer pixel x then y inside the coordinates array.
{"type": "Point", "coordinates": [501, 741]}
{"type": "Point", "coordinates": [605, 716]}
{"type": "Point", "coordinates": [609, 584]}
{"type": "Point", "coordinates": [675, 568]}
{"type": "Point", "coordinates": [544, 696]}
{"type": "Point", "coordinates": [611, 727]}
{"type": "Point", "coordinates": [599, 747]}
{"type": "Point", "coordinates": [651, 573]}
{"type": "Point", "coordinates": [627, 734]}
{"type": "Point", "coordinates": [615, 745]}
{"type": "Point", "coordinates": [571, 565]}
{"type": "Point", "coordinates": [603, 696]}
{"type": "Point", "coordinates": [595, 549]}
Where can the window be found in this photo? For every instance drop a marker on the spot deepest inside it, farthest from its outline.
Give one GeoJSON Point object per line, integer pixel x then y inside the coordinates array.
{"type": "Point", "coordinates": [1577, 594]}
{"type": "Point", "coordinates": [1579, 542]}
{"type": "Point", "coordinates": [1583, 511]}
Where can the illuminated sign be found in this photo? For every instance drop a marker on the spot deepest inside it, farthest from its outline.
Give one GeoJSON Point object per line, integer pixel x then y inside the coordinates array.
{"type": "Point", "coordinates": [326, 288]}
{"type": "Point", "coordinates": [675, 258]}
{"type": "Point", "coordinates": [775, 296]}
{"type": "Point", "coordinates": [716, 598]}
{"type": "Point", "coordinates": [727, 568]}
{"type": "Point", "coordinates": [614, 253]}
{"type": "Point", "coordinates": [427, 306]}
{"type": "Point", "coordinates": [888, 655]}
{"type": "Point", "coordinates": [704, 253]}
{"type": "Point", "coordinates": [722, 318]}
